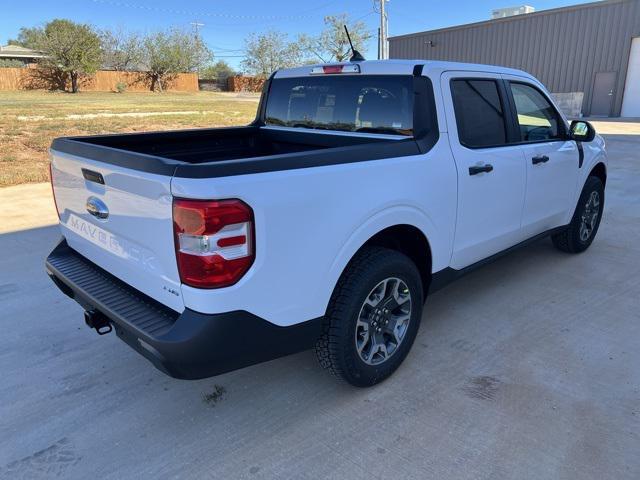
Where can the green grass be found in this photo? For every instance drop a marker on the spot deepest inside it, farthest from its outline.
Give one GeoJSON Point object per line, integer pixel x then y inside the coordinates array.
{"type": "Point", "coordinates": [30, 120]}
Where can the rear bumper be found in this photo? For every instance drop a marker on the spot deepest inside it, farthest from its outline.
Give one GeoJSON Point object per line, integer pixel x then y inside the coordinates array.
{"type": "Point", "coordinates": [187, 345]}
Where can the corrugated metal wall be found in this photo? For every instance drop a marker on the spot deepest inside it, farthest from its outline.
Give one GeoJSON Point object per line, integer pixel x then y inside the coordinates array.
{"type": "Point", "coordinates": [564, 48]}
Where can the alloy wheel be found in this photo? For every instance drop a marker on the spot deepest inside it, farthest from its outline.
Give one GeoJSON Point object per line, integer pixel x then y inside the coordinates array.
{"type": "Point", "coordinates": [589, 218]}
{"type": "Point", "coordinates": [383, 321]}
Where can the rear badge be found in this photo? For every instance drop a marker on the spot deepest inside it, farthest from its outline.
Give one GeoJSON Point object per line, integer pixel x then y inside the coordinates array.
{"type": "Point", "coordinates": [171, 291]}
{"type": "Point", "coordinates": [97, 208]}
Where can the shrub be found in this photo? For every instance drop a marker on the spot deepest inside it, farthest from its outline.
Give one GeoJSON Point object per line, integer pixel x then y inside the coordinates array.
{"type": "Point", "coordinates": [217, 71]}
{"type": "Point", "coordinates": [11, 63]}
{"type": "Point", "coordinates": [121, 87]}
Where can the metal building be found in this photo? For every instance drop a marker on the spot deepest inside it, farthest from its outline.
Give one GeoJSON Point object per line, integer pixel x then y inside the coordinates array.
{"type": "Point", "coordinates": [511, 11]}
{"type": "Point", "coordinates": [588, 53]}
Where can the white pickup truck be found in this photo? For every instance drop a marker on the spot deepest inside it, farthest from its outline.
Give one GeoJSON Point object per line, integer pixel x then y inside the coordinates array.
{"type": "Point", "coordinates": [359, 189]}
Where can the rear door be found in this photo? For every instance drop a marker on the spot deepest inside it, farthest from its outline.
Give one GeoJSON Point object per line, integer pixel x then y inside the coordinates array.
{"type": "Point", "coordinates": [121, 220]}
{"type": "Point", "coordinates": [552, 159]}
{"type": "Point", "coordinates": [491, 172]}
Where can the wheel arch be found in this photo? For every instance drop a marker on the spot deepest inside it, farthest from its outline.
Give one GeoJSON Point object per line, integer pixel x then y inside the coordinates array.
{"type": "Point", "coordinates": [600, 171]}
{"type": "Point", "coordinates": [412, 242]}
{"type": "Point", "coordinates": [403, 236]}
{"type": "Point", "coordinates": [404, 228]}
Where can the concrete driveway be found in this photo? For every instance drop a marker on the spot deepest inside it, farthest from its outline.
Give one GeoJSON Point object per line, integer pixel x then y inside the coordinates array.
{"type": "Point", "coordinates": [527, 368]}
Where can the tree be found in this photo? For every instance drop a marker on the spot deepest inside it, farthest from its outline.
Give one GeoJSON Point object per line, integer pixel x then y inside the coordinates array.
{"type": "Point", "coordinates": [268, 52]}
{"type": "Point", "coordinates": [332, 43]}
{"type": "Point", "coordinates": [121, 50]}
{"type": "Point", "coordinates": [72, 49]}
{"type": "Point", "coordinates": [27, 38]}
{"type": "Point", "coordinates": [168, 53]}
{"type": "Point", "coordinates": [217, 71]}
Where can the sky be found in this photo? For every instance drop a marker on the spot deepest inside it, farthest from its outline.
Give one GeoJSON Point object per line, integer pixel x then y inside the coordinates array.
{"type": "Point", "coordinates": [228, 23]}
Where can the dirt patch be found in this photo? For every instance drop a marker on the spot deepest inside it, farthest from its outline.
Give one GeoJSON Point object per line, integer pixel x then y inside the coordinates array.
{"type": "Point", "coordinates": [482, 388]}
{"type": "Point", "coordinates": [215, 396]}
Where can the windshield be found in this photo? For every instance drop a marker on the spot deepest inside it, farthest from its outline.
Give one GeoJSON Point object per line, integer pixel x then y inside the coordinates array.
{"type": "Point", "coordinates": [354, 103]}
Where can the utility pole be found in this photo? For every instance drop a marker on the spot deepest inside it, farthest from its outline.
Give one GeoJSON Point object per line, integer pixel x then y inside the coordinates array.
{"type": "Point", "coordinates": [196, 31]}
{"type": "Point", "coordinates": [383, 31]}
{"type": "Point", "coordinates": [196, 28]}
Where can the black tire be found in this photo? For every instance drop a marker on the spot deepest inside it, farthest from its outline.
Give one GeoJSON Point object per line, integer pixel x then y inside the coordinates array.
{"type": "Point", "coordinates": [336, 349]}
{"type": "Point", "coordinates": [572, 239]}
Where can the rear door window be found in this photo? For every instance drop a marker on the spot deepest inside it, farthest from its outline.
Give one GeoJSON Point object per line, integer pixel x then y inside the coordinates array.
{"type": "Point", "coordinates": [352, 103]}
{"type": "Point", "coordinates": [480, 115]}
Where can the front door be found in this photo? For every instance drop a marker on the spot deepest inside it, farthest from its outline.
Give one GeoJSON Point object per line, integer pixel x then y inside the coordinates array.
{"type": "Point", "coordinates": [491, 172]}
{"type": "Point", "coordinates": [552, 160]}
{"type": "Point", "coordinates": [602, 95]}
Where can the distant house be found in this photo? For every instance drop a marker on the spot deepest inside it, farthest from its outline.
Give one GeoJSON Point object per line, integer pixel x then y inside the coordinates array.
{"type": "Point", "coordinates": [21, 54]}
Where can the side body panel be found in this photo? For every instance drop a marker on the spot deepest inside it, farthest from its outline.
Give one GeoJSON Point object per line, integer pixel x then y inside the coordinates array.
{"type": "Point", "coordinates": [310, 222]}
{"type": "Point", "coordinates": [594, 153]}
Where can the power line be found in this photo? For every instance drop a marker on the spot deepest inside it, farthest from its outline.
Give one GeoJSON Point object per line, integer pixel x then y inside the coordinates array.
{"type": "Point", "coordinates": [225, 49]}
{"type": "Point", "coordinates": [370, 12]}
{"type": "Point", "coordinates": [228, 16]}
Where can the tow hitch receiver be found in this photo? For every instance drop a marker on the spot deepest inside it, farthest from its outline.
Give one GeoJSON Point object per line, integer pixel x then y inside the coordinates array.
{"type": "Point", "coordinates": [95, 319]}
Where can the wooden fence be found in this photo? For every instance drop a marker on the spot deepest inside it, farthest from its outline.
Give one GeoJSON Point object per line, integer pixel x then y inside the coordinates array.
{"type": "Point", "coordinates": [241, 83]}
{"type": "Point", "coordinates": [101, 81]}
{"type": "Point", "coordinates": [12, 78]}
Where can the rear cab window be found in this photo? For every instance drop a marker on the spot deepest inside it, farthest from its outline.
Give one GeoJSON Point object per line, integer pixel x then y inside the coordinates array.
{"type": "Point", "coordinates": [368, 104]}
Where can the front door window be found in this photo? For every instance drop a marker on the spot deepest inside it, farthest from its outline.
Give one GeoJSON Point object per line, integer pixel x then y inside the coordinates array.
{"type": "Point", "coordinates": [537, 119]}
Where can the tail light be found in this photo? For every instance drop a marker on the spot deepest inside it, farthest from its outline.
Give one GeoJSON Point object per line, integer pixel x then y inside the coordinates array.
{"type": "Point", "coordinates": [214, 241]}
{"type": "Point", "coordinates": [53, 192]}
{"type": "Point", "coordinates": [333, 69]}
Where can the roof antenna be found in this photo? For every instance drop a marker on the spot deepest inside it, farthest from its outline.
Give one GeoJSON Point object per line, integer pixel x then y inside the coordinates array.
{"type": "Point", "coordinates": [356, 55]}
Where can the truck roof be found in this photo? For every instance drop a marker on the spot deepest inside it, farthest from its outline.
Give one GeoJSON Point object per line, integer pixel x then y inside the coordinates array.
{"type": "Point", "coordinates": [404, 67]}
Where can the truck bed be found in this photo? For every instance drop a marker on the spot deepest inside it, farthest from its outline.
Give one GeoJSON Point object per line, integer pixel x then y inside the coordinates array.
{"type": "Point", "coordinates": [207, 145]}
{"type": "Point", "coordinates": [231, 151]}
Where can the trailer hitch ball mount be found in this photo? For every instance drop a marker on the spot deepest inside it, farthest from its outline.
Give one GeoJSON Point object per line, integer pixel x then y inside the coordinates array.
{"type": "Point", "coordinates": [97, 321]}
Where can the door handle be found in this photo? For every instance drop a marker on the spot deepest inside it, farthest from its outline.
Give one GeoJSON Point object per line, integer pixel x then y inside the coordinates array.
{"type": "Point", "coordinates": [539, 159]}
{"type": "Point", "coordinates": [476, 169]}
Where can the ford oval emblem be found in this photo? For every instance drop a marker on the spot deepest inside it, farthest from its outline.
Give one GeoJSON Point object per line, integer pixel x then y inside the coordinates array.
{"type": "Point", "coordinates": [97, 208]}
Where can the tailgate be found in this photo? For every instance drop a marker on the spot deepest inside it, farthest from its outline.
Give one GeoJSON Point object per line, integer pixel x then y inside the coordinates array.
{"type": "Point", "coordinates": [130, 230]}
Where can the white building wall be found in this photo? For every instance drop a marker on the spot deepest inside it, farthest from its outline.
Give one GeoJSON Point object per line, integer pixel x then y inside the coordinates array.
{"type": "Point", "coordinates": [631, 98]}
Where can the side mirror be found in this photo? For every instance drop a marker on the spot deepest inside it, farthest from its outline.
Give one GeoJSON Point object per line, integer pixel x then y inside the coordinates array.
{"type": "Point", "coordinates": [582, 131]}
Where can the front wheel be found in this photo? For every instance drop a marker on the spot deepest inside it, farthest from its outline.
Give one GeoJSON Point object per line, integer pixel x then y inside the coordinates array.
{"type": "Point", "coordinates": [372, 318]}
{"type": "Point", "coordinates": [580, 233]}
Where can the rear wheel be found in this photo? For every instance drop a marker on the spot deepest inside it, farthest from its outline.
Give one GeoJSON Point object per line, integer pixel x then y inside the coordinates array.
{"type": "Point", "coordinates": [585, 222]}
{"type": "Point", "coordinates": [373, 317]}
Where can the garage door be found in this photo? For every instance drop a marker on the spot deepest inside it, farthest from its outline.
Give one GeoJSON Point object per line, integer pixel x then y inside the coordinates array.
{"type": "Point", "coordinates": [631, 99]}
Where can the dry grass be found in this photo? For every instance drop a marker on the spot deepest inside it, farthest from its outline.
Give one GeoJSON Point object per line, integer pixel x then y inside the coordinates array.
{"type": "Point", "coordinates": [29, 121]}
